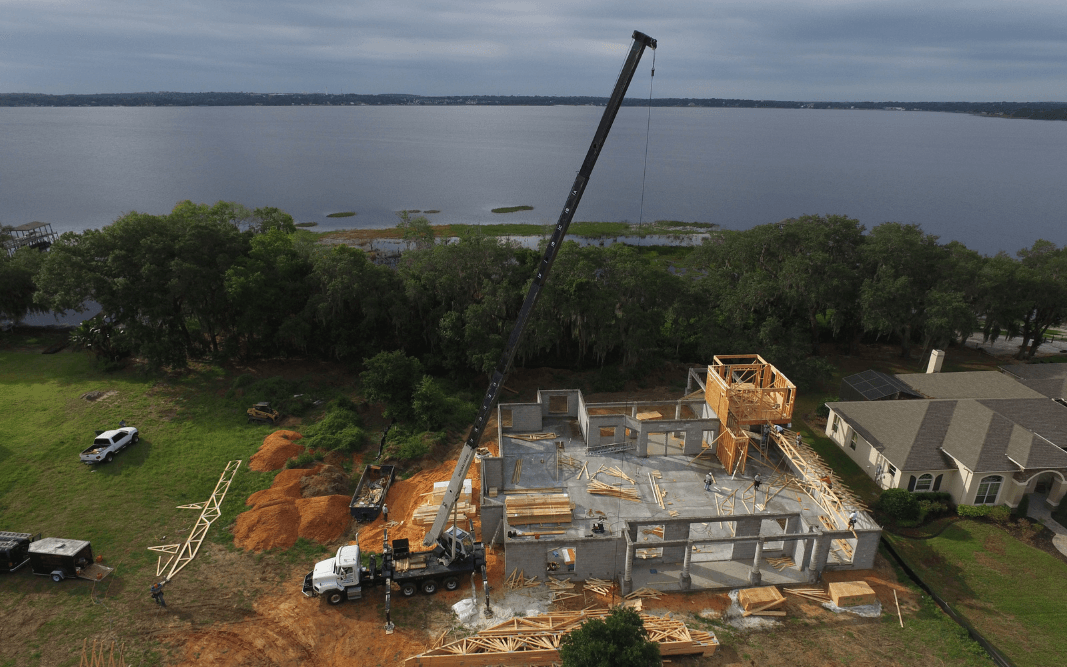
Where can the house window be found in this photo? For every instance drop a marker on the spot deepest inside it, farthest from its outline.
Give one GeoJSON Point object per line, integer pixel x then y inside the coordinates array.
{"type": "Point", "coordinates": [834, 424]}
{"type": "Point", "coordinates": [852, 442]}
{"type": "Point", "coordinates": [892, 471]}
{"type": "Point", "coordinates": [988, 489]}
{"type": "Point", "coordinates": [924, 482]}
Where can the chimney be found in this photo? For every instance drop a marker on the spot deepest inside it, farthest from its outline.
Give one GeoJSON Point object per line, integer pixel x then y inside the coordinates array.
{"type": "Point", "coordinates": [937, 357]}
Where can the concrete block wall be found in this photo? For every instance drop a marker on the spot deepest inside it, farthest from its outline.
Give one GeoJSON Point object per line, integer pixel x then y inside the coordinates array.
{"type": "Point", "coordinates": [865, 548]}
{"type": "Point", "coordinates": [746, 551]}
{"type": "Point", "coordinates": [525, 417]}
{"type": "Point", "coordinates": [543, 396]}
{"type": "Point", "coordinates": [596, 422]}
{"type": "Point", "coordinates": [599, 557]}
{"type": "Point", "coordinates": [527, 556]}
{"type": "Point", "coordinates": [492, 473]}
{"type": "Point", "coordinates": [675, 531]}
{"type": "Point", "coordinates": [492, 518]}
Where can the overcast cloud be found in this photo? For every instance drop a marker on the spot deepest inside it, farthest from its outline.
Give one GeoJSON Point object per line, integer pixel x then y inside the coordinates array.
{"type": "Point", "coordinates": [836, 50]}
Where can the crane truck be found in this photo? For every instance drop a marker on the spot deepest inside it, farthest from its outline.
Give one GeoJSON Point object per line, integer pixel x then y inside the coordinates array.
{"type": "Point", "coordinates": [343, 576]}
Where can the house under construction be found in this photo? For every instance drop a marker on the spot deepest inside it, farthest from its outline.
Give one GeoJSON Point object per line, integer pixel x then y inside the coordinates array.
{"type": "Point", "coordinates": [617, 490]}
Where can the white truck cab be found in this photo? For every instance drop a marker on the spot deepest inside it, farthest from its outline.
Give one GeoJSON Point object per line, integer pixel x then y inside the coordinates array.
{"type": "Point", "coordinates": [108, 443]}
{"type": "Point", "coordinates": [337, 578]}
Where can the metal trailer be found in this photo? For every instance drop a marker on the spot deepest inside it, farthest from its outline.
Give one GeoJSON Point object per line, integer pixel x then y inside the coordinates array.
{"type": "Point", "coordinates": [14, 549]}
{"type": "Point", "coordinates": [61, 559]}
{"type": "Point", "coordinates": [366, 502]}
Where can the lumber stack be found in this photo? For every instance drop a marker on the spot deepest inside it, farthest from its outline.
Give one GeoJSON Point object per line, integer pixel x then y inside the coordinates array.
{"type": "Point", "coordinates": [644, 593]}
{"type": "Point", "coordinates": [517, 580]}
{"type": "Point", "coordinates": [437, 496]}
{"type": "Point", "coordinates": [535, 640]}
{"type": "Point", "coordinates": [781, 563]}
{"type": "Point", "coordinates": [813, 594]}
{"type": "Point", "coordinates": [424, 515]}
{"type": "Point", "coordinates": [598, 488]}
{"type": "Point", "coordinates": [851, 593]}
{"type": "Point", "coordinates": [761, 601]}
{"type": "Point", "coordinates": [656, 491]}
{"type": "Point", "coordinates": [540, 508]}
{"type": "Point", "coordinates": [599, 586]}
{"type": "Point", "coordinates": [531, 437]}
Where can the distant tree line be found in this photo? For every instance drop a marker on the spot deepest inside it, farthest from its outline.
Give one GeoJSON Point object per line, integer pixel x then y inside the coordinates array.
{"type": "Point", "coordinates": [1035, 110]}
{"type": "Point", "coordinates": [222, 282]}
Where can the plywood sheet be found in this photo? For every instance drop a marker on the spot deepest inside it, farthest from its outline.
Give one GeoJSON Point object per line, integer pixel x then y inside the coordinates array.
{"type": "Point", "coordinates": [851, 593]}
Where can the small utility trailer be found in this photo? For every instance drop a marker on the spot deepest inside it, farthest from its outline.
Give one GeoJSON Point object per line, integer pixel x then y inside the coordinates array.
{"type": "Point", "coordinates": [14, 549]}
{"type": "Point", "coordinates": [371, 491]}
{"type": "Point", "coordinates": [61, 559]}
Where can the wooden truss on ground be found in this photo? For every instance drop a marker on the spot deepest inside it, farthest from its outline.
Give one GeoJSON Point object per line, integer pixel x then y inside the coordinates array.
{"type": "Point", "coordinates": [535, 641]}
{"type": "Point", "coordinates": [183, 553]}
{"type": "Point", "coordinates": [98, 657]}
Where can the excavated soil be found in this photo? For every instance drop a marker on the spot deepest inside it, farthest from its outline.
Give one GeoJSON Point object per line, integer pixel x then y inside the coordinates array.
{"type": "Point", "coordinates": [281, 514]}
{"type": "Point", "coordinates": [277, 448]}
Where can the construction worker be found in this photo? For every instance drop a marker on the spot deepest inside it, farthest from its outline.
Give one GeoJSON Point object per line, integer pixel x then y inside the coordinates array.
{"type": "Point", "coordinates": [708, 479]}
{"type": "Point", "coordinates": [757, 480]}
{"type": "Point", "coordinates": [852, 518]}
{"type": "Point", "coordinates": [157, 594]}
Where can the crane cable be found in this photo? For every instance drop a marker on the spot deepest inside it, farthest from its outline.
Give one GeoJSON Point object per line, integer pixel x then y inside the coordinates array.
{"type": "Point", "coordinates": [648, 126]}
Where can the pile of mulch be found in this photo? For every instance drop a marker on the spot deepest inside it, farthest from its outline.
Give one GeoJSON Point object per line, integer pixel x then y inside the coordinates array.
{"type": "Point", "coordinates": [277, 448]}
{"type": "Point", "coordinates": [282, 514]}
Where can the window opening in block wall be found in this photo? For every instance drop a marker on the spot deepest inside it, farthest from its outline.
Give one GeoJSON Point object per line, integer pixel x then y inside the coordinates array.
{"type": "Point", "coordinates": [558, 404]}
{"type": "Point", "coordinates": [560, 560]}
{"type": "Point", "coordinates": [607, 431]}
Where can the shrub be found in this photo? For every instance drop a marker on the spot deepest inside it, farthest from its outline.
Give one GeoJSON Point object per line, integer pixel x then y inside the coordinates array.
{"type": "Point", "coordinates": [340, 429]}
{"type": "Point", "coordinates": [619, 640]}
{"type": "Point", "coordinates": [997, 513]}
{"type": "Point", "coordinates": [1023, 508]}
{"type": "Point", "coordinates": [305, 457]}
{"type": "Point", "coordinates": [406, 445]}
{"type": "Point", "coordinates": [823, 411]}
{"type": "Point", "coordinates": [391, 378]}
{"type": "Point", "coordinates": [934, 496]}
{"type": "Point", "coordinates": [899, 504]}
{"type": "Point", "coordinates": [435, 409]}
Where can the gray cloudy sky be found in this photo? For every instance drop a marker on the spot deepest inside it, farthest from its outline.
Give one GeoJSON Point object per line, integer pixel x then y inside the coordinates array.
{"type": "Point", "coordinates": [839, 50]}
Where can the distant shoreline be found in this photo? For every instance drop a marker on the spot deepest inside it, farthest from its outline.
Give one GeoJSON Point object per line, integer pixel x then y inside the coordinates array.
{"type": "Point", "coordinates": [1028, 110]}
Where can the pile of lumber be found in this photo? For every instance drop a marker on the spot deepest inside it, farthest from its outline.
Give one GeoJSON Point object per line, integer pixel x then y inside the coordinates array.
{"type": "Point", "coordinates": [535, 640]}
{"type": "Point", "coordinates": [530, 437]}
{"type": "Point", "coordinates": [813, 594]}
{"type": "Point", "coordinates": [437, 496]}
{"type": "Point", "coordinates": [851, 593]}
{"type": "Point", "coordinates": [657, 493]}
{"type": "Point", "coordinates": [602, 489]}
{"type": "Point", "coordinates": [598, 586]}
{"type": "Point", "coordinates": [644, 593]}
{"type": "Point", "coordinates": [517, 580]}
{"type": "Point", "coordinates": [424, 515]}
{"type": "Point", "coordinates": [761, 601]}
{"type": "Point", "coordinates": [615, 471]}
{"type": "Point", "coordinates": [781, 563]}
{"type": "Point", "coordinates": [541, 508]}
{"type": "Point", "coordinates": [646, 554]}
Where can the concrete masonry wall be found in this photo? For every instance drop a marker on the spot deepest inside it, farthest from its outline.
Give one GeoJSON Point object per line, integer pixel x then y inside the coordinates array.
{"type": "Point", "coordinates": [492, 518]}
{"type": "Point", "coordinates": [525, 417]}
{"type": "Point", "coordinates": [528, 557]}
{"type": "Point", "coordinates": [492, 473]}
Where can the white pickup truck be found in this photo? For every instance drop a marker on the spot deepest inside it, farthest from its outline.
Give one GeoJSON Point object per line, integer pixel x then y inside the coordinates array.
{"type": "Point", "coordinates": [108, 443]}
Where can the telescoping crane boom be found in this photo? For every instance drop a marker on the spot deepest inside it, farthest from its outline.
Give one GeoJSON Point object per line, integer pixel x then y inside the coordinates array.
{"type": "Point", "coordinates": [466, 457]}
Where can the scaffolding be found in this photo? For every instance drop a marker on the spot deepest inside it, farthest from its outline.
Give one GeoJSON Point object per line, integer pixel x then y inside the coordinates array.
{"type": "Point", "coordinates": [30, 235]}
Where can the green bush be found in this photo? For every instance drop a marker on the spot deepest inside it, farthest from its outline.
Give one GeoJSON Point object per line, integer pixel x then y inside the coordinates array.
{"type": "Point", "coordinates": [934, 496]}
{"type": "Point", "coordinates": [435, 409]}
{"type": "Point", "coordinates": [305, 457]}
{"type": "Point", "coordinates": [1023, 508]}
{"type": "Point", "coordinates": [340, 429]}
{"type": "Point", "coordinates": [899, 504]}
{"type": "Point", "coordinates": [406, 445]}
{"type": "Point", "coordinates": [620, 640]}
{"type": "Point", "coordinates": [997, 513]}
{"type": "Point", "coordinates": [823, 411]}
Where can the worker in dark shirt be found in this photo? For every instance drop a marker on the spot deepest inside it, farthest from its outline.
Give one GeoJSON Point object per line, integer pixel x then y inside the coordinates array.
{"type": "Point", "coordinates": [157, 594]}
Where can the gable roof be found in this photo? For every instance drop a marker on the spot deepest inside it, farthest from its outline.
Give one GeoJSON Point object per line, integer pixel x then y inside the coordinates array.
{"type": "Point", "coordinates": [1047, 379]}
{"type": "Point", "coordinates": [969, 384]}
{"type": "Point", "coordinates": [985, 435]}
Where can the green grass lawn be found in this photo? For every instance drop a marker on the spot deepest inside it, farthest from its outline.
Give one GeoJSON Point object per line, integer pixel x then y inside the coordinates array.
{"type": "Point", "coordinates": [1012, 593]}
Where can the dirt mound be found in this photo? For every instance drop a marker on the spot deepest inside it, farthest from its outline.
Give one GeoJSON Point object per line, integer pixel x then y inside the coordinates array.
{"type": "Point", "coordinates": [273, 524]}
{"type": "Point", "coordinates": [324, 518]}
{"type": "Point", "coordinates": [277, 448]}
{"type": "Point", "coordinates": [280, 515]}
{"type": "Point", "coordinates": [328, 481]}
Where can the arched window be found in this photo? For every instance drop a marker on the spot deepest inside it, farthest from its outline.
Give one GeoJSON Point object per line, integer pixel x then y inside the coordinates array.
{"type": "Point", "coordinates": [924, 482]}
{"type": "Point", "coordinates": [988, 489]}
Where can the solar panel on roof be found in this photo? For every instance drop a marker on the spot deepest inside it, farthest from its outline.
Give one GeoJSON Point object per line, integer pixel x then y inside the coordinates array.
{"type": "Point", "coordinates": [873, 385]}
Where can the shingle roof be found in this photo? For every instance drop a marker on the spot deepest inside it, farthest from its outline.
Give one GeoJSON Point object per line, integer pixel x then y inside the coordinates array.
{"type": "Point", "coordinates": [1047, 379]}
{"type": "Point", "coordinates": [979, 433]}
{"type": "Point", "coordinates": [971, 384]}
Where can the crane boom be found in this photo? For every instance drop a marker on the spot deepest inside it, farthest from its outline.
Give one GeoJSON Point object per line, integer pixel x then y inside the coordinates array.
{"type": "Point", "coordinates": [466, 456]}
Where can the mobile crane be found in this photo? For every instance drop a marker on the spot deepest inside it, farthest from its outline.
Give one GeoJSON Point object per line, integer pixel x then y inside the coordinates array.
{"type": "Point", "coordinates": [466, 457]}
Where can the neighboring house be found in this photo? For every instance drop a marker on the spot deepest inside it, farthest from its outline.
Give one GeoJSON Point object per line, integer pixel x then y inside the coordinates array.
{"type": "Point", "coordinates": [985, 437]}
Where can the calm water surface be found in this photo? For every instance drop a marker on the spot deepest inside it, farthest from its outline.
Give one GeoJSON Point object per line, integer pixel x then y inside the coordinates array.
{"type": "Point", "coordinates": [993, 184]}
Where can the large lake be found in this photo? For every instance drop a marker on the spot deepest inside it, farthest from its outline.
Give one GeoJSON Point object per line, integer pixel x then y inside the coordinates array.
{"type": "Point", "coordinates": [993, 184]}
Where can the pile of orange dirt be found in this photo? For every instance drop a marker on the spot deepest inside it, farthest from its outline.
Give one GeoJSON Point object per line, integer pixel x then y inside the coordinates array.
{"type": "Point", "coordinates": [277, 448]}
{"type": "Point", "coordinates": [279, 515]}
{"type": "Point", "coordinates": [407, 494]}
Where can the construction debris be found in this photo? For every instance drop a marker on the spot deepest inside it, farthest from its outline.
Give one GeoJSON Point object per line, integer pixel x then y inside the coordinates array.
{"type": "Point", "coordinates": [601, 489]}
{"type": "Point", "coordinates": [535, 641]}
{"type": "Point", "coordinates": [813, 594]}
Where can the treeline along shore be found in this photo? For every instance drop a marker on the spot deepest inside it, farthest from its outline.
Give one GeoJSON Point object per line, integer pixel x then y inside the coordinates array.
{"type": "Point", "coordinates": [222, 282]}
{"type": "Point", "coordinates": [1033, 110]}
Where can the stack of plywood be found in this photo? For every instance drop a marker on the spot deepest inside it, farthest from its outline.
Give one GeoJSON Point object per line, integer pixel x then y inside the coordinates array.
{"type": "Point", "coordinates": [760, 601]}
{"type": "Point", "coordinates": [538, 508]}
{"type": "Point", "coordinates": [851, 593]}
{"type": "Point", "coordinates": [437, 496]}
{"type": "Point", "coordinates": [424, 515]}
